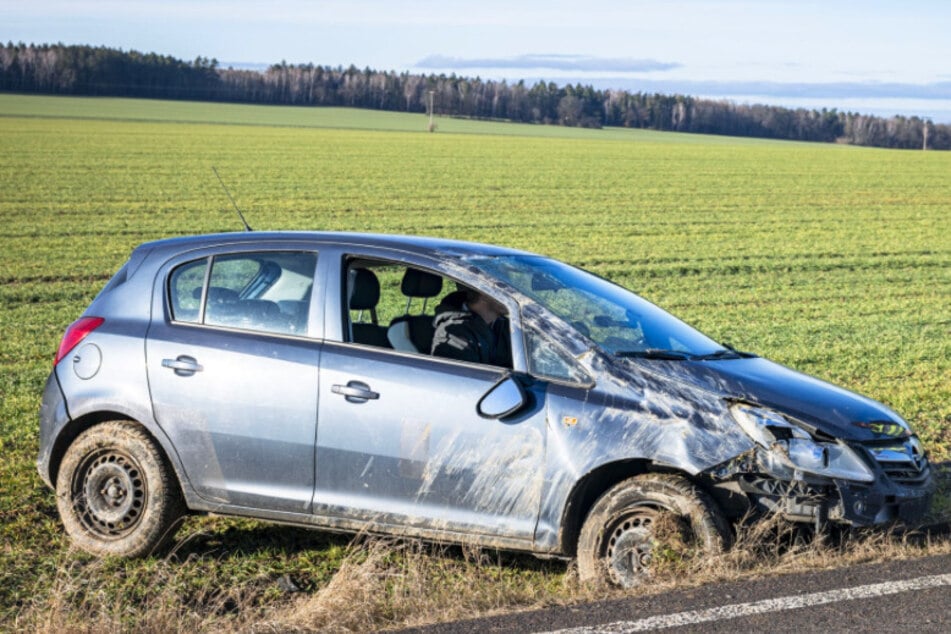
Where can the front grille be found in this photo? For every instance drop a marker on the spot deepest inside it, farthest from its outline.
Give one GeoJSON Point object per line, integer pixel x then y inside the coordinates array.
{"type": "Point", "coordinates": [907, 474]}
{"type": "Point", "coordinates": [904, 462]}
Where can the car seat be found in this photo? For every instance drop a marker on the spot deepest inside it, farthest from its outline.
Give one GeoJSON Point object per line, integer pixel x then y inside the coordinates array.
{"type": "Point", "coordinates": [365, 295]}
{"type": "Point", "coordinates": [414, 333]}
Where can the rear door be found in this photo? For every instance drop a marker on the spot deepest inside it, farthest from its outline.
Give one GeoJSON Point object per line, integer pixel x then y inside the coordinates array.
{"type": "Point", "coordinates": [233, 373]}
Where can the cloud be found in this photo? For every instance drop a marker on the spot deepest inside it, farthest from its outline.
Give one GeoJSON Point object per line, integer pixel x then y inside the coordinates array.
{"type": "Point", "coordinates": [580, 63]}
{"type": "Point", "coordinates": [936, 91]}
{"type": "Point", "coordinates": [876, 90]}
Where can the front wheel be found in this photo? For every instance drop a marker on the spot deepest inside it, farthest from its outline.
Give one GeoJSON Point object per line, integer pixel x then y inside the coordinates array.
{"type": "Point", "coordinates": [643, 522]}
{"type": "Point", "coordinates": [116, 494]}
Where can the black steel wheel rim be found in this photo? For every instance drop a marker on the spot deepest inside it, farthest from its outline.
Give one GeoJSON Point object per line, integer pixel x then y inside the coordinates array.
{"type": "Point", "coordinates": [110, 493]}
{"type": "Point", "coordinates": [629, 546]}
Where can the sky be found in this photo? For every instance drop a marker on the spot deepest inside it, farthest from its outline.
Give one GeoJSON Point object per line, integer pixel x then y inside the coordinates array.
{"type": "Point", "coordinates": [872, 56]}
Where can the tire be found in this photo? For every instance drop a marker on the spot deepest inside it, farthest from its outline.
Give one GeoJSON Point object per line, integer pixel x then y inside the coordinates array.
{"type": "Point", "coordinates": [115, 492]}
{"type": "Point", "coordinates": [639, 518]}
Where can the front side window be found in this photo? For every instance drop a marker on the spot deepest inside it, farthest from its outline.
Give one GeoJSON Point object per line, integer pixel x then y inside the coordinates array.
{"type": "Point", "coordinates": [264, 292]}
{"type": "Point", "coordinates": [545, 359]}
{"type": "Point", "coordinates": [391, 305]}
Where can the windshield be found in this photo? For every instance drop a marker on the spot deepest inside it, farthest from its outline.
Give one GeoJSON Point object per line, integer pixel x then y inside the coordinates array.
{"type": "Point", "coordinates": [616, 319]}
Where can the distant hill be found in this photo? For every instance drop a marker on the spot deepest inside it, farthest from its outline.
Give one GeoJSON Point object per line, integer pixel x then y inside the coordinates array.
{"type": "Point", "coordinates": [87, 70]}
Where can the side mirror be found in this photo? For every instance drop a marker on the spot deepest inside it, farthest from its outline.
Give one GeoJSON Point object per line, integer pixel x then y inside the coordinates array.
{"type": "Point", "coordinates": [504, 399]}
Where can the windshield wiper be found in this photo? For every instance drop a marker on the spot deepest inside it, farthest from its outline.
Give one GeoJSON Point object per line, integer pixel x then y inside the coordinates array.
{"type": "Point", "coordinates": [729, 352]}
{"type": "Point", "coordinates": [655, 353]}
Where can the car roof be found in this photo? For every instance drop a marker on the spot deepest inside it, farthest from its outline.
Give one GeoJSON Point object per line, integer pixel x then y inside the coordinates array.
{"type": "Point", "coordinates": [420, 245]}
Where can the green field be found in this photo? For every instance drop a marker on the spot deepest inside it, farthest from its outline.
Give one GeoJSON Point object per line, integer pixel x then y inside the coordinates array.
{"type": "Point", "coordinates": [835, 260]}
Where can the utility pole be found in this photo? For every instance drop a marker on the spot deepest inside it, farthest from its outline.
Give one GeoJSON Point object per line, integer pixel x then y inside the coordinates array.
{"type": "Point", "coordinates": [924, 133]}
{"type": "Point", "coordinates": [432, 126]}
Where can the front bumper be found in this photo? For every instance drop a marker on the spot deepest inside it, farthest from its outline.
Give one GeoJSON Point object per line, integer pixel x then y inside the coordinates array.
{"type": "Point", "coordinates": [882, 502]}
{"type": "Point", "coordinates": [894, 496]}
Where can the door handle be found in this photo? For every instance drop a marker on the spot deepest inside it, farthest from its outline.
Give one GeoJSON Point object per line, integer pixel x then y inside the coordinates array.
{"type": "Point", "coordinates": [355, 392]}
{"type": "Point", "coordinates": [183, 365]}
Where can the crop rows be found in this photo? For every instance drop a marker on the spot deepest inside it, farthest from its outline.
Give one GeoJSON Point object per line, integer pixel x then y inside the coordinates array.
{"type": "Point", "coordinates": [835, 260]}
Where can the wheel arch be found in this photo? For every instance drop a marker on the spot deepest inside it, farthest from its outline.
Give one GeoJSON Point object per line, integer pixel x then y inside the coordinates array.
{"type": "Point", "coordinates": [594, 484]}
{"type": "Point", "coordinates": [78, 425]}
{"type": "Point", "coordinates": [585, 493]}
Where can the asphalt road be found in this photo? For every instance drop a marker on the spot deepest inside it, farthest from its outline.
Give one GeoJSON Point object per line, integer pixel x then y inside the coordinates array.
{"type": "Point", "coordinates": [900, 596]}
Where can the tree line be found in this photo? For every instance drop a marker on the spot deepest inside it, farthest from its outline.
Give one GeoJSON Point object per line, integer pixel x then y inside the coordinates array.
{"type": "Point", "coordinates": [102, 71]}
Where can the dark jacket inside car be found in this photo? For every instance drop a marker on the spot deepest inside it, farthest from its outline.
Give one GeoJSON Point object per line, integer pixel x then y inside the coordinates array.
{"type": "Point", "coordinates": [463, 335]}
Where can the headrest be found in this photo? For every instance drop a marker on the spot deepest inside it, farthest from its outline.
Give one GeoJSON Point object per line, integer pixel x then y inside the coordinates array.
{"type": "Point", "coordinates": [258, 308]}
{"type": "Point", "coordinates": [218, 295]}
{"type": "Point", "coordinates": [418, 283]}
{"type": "Point", "coordinates": [365, 293]}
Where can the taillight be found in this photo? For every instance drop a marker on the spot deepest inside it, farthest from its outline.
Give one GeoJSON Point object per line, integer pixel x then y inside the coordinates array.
{"type": "Point", "coordinates": [76, 332]}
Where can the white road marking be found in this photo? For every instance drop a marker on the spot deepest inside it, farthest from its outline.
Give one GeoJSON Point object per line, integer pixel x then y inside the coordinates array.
{"type": "Point", "coordinates": [737, 610]}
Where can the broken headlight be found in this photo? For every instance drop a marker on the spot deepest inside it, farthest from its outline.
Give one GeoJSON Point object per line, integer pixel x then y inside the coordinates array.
{"type": "Point", "coordinates": [791, 448]}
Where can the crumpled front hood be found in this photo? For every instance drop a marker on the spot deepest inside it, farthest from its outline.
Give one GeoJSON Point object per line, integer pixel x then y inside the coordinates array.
{"type": "Point", "coordinates": [832, 409]}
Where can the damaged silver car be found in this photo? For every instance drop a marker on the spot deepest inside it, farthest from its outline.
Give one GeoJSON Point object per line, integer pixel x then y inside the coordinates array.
{"type": "Point", "coordinates": [291, 377]}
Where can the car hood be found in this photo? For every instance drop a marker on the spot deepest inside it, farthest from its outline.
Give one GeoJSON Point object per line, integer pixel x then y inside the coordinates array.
{"type": "Point", "coordinates": [831, 409]}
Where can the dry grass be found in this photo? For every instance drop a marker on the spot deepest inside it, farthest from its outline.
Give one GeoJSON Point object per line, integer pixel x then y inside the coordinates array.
{"type": "Point", "coordinates": [78, 599]}
{"type": "Point", "coordinates": [391, 583]}
{"type": "Point", "coordinates": [380, 583]}
{"type": "Point", "coordinates": [774, 546]}
{"type": "Point", "coordinates": [388, 583]}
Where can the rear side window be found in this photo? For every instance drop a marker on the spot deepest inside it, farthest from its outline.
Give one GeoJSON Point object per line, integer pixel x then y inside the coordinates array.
{"type": "Point", "coordinates": [185, 284]}
{"type": "Point", "coordinates": [263, 291]}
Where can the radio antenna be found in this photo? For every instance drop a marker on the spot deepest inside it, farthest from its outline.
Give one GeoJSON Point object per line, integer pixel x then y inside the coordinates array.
{"type": "Point", "coordinates": [247, 227]}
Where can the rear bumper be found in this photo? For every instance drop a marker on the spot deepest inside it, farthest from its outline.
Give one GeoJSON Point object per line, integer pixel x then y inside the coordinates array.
{"type": "Point", "coordinates": [53, 417]}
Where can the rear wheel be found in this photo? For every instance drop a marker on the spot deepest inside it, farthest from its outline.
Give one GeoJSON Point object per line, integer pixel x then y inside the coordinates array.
{"type": "Point", "coordinates": [647, 522]}
{"type": "Point", "coordinates": [115, 493]}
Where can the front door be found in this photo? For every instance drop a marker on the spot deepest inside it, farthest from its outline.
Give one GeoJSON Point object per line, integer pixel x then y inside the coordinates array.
{"type": "Point", "coordinates": [400, 443]}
